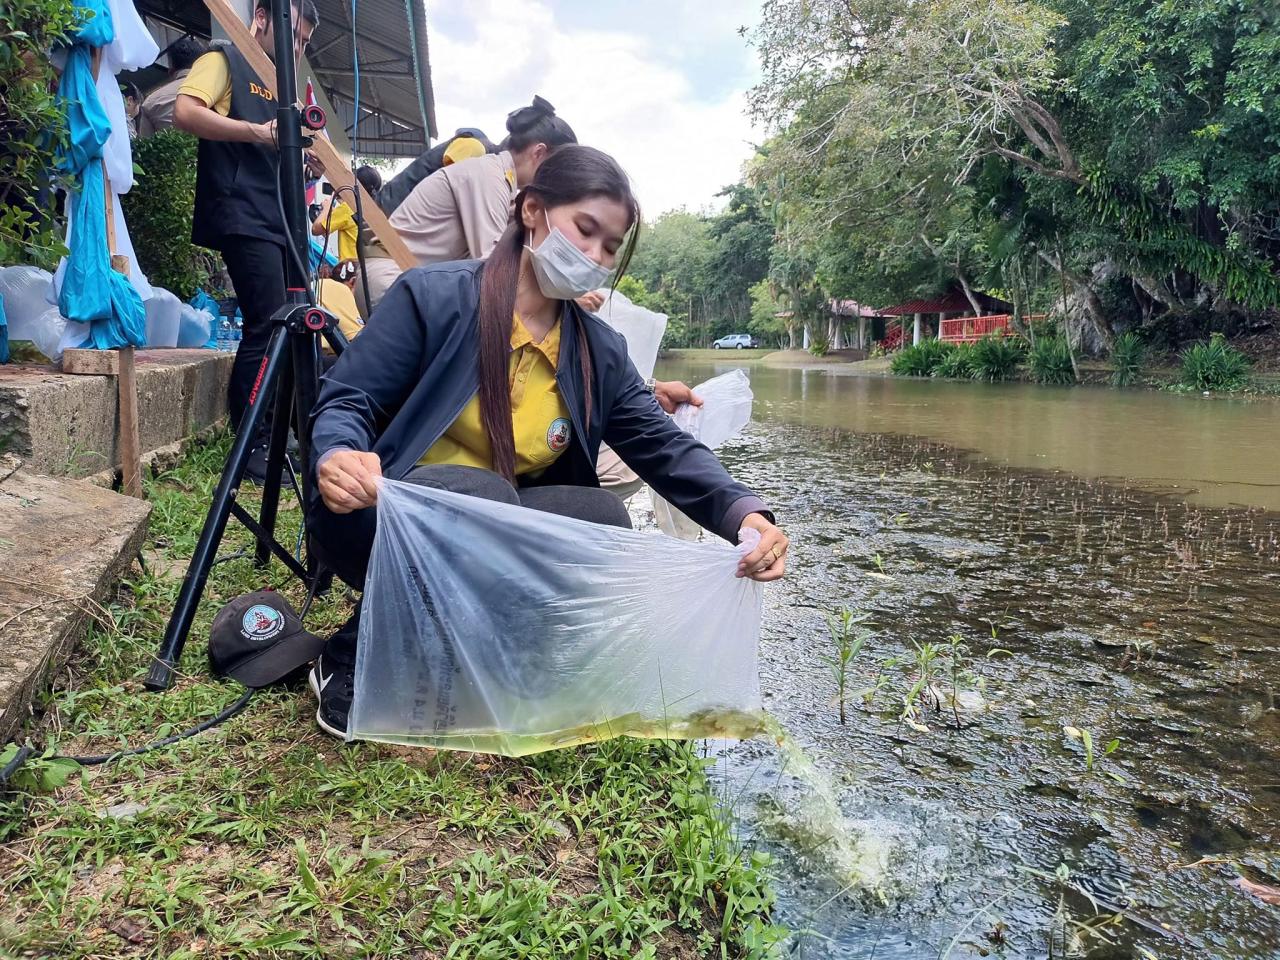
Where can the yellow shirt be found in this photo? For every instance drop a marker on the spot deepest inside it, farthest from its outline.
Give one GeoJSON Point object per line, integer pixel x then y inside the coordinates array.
{"type": "Point", "coordinates": [342, 221]}
{"type": "Point", "coordinates": [539, 416]}
{"type": "Point", "coordinates": [462, 148]}
{"type": "Point", "coordinates": [336, 297]}
{"type": "Point", "coordinates": [210, 82]}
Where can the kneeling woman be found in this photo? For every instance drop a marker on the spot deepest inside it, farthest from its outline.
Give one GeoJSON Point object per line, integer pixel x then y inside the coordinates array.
{"type": "Point", "coordinates": [485, 378]}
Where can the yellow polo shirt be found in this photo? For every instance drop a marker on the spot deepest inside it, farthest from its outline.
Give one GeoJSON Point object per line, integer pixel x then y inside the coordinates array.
{"type": "Point", "coordinates": [210, 82]}
{"type": "Point", "coordinates": [342, 221]}
{"type": "Point", "coordinates": [539, 416]}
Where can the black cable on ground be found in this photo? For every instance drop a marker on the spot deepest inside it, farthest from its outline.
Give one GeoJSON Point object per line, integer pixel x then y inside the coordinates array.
{"type": "Point", "coordinates": [12, 766]}
{"type": "Point", "coordinates": [27, 750]}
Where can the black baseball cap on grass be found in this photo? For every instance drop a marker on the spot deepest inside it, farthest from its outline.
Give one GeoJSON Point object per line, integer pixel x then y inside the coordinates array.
{"type": "Point", "coordinates": [258, 639]}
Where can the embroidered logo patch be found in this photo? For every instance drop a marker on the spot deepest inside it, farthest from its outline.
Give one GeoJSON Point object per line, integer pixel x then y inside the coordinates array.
{"type": "Point", "coordinates": [261, 622]}
{"type": "Point", "coordinates": [558, 434]}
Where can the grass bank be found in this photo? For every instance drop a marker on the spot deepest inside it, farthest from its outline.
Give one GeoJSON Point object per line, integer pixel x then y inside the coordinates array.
{"type": "Point", "coordinates": [265, 838]}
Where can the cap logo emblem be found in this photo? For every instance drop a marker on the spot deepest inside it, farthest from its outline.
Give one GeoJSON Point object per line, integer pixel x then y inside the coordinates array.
{"type": "Point", "coordinates": [261, 622]}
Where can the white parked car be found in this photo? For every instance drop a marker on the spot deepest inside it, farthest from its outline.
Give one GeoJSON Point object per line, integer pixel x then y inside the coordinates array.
{"type": "Point", "coordinates": [736, 341]}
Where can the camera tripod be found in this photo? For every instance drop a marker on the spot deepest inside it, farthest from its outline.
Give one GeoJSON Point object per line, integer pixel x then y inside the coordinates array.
{"type": "Point", "coordinates": [286, 384]}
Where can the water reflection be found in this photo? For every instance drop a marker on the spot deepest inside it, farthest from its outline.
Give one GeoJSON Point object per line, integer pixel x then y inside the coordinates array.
{"type": "Point", "coordinates": [1216, 451]}
{"type": "Point", "coordinates": [1151, 619]}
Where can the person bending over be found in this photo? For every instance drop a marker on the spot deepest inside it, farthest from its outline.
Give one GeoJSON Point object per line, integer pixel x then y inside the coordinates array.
{"type": "Point", "coordinates": [489, 380]}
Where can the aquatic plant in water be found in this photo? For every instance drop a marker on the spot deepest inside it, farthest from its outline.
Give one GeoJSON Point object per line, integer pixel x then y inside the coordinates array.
{"type": "Point", "coordinates": [848, 639]}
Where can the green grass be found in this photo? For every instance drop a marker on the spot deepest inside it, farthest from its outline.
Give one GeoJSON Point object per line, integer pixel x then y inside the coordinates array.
{"type": "Point", "coordinates": [265, 838]}
{"type": "Point", "coordinates": [1049, 361]}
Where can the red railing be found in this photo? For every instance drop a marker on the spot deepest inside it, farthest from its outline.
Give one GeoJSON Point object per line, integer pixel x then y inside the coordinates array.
{"type": "Point", "coordinates": [969, 329]}
{"type": "Point", "coordinates": [892, 338]}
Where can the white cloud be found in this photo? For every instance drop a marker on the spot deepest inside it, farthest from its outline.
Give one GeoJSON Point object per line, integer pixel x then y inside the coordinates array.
{"type": "Point", "coordinates": [618, 89]}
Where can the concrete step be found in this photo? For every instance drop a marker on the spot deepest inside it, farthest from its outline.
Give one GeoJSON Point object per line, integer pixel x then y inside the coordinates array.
{"type": "Point", "coordinates": [68, 426]}
{"type": "Point", "coordinates": [63, 546]}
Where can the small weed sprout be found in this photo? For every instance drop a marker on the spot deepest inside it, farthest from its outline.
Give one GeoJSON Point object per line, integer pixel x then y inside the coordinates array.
{"type": "Point", "coordinates": [1091, 755]}
{"type": "Point", "coordinates": [847, 638]}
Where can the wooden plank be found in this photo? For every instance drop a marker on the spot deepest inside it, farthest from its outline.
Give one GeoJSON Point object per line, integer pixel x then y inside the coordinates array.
{"type": "Point", "coordinates": [89, 362]}
{"type": "Point", "coordinates": [130, 448]}
{"type": "Point", "coordinates": [336, 169]}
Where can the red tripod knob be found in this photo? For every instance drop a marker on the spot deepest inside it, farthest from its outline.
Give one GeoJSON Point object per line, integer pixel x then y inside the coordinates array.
{"type": "Point", "coordinates": [313, 117]}
{"type": "Point", "coordinates": [315, 320]}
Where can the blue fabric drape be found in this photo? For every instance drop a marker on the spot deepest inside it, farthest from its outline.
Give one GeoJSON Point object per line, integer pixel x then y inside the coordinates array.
{"type": "Point", "coordinates": [91, 291]}
{"type": "Point", "coordinates": [4, 334]}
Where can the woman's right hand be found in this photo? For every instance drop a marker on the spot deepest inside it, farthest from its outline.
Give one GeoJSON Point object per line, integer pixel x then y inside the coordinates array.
{"type": "Point", "coordinates": [347, 480]}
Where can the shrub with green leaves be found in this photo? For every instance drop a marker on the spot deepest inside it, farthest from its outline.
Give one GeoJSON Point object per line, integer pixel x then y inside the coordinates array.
{"type": "Point", "coordinates": [1049, 361]}
{"type": "Point", "coordinates": [956, 363]}
{"type": "Point", "coordinates": [819, 347]}
{"type": "Point", "coordinates": [1127, 355]}
{"type": "Point", "coordinates": [33, 126]}
{"type": "Point", "coordinates": [996, 358]}
{"type": "Point", "coordinates": [919, 360]}
{"type": "Point", "coordinates": [1215, 365]}
{"type": "Point", "coordinates": [159, 209]}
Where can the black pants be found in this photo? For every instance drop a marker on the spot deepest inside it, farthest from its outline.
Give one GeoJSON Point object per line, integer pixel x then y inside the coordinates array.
{"type": "Point", "coordinates": [256, 268]}
{"type": "Point", "coordinates": [345, 540]}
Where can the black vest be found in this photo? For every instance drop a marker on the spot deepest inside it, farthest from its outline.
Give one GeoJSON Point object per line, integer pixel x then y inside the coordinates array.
{"type": "Point", "coordinates": [236, 182]}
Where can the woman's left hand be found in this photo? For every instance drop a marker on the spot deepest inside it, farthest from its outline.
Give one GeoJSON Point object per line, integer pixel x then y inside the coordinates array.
{"type": "Point", "coordinates": [768, 560]}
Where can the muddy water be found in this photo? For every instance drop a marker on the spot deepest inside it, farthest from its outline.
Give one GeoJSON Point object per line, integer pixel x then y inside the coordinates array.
{"type": "Point", "coordinates": [1140, 607]}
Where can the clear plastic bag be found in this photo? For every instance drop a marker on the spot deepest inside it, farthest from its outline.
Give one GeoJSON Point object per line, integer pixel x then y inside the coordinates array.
{"type": "Point", "coordinates": [642, 328]}
{"type": "Point", "coordinates": [498, 629]}
{"type": "Point", "coordinates": [164, 318]}
{"type": "Point", "coordinates": [725, 411]}
{"type": "Point", "coordinates": [32, 317]}
{"type": "Point", "coordinates": [195, 327]}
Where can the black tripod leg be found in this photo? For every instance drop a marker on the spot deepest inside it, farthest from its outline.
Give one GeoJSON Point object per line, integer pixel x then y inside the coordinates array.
{"type": "Point", "coordinates": [276, 452]}
{"type": "Point", "coordinates": [160, 676]}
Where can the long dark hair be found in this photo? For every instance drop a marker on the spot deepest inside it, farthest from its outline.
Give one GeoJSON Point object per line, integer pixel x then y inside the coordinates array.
{"type": "Point", "coordinates": [569, 175]}
{"type": "Point", "coordinates": [537, 123]}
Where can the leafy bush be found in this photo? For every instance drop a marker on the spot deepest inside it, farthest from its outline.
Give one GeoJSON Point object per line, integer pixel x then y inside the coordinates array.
{"type": "Point", "coordinates": [32, 128]}
{"type": "Point", "coordinates": [956, 363]}
{"type": "Point", "coordinates": [996, 357]}
{"type": "Point", "coordinates": [159, 209]}
{"type": "Point", "coordinates": [1214, 365]}
{"type": "Point", "coordinates": [819, 347]}
{"type": "Point", "coordinates": [1050, 361]}
{"type": "Point", "coordinates": [1126, 357]}
{"type": "Point", "coordinates": [919, 360]}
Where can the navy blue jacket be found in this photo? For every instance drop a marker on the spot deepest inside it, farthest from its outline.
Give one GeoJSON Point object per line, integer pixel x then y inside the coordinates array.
{"type": "Point", "coordinates": [413, 369]}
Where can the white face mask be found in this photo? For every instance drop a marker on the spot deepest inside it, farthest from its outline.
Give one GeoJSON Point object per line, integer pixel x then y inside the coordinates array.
{"type": "Point", "coordinates": [563, 271]}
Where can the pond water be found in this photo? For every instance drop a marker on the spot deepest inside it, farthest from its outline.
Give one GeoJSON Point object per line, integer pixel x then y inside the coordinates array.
{"type": "Point", "coordinates": [1090, 562]}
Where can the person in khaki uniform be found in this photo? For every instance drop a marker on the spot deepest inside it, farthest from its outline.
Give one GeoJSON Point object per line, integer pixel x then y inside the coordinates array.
{"type": "Point", "coordinates": [157, 106]}
{"type": "Point", "coordinates": [460, 211]}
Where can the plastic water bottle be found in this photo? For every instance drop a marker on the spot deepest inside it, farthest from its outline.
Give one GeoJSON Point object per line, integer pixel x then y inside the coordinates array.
{"type": "Point", "coordinates": [237, 332]}
{"type": "Point", "coordinates": [224, 335]}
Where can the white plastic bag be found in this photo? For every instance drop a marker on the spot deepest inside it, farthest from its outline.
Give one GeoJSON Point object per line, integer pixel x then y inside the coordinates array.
{"type": "Point", "coordinates": [26, 291]}
{"type": "Point", "coordinates": [725, 411]}
{"type": "Point", "coordinates": [643, 329]}
{"type": "Point", "coordinates": [499, 629]}
{"type": "Point", "coordinates": [164, 312]}
{"type": "Point", "coordinates": [195, 327]}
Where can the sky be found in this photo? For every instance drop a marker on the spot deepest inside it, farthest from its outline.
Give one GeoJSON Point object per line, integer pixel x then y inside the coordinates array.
{"type": "Point", "coordinates": [659, 84]}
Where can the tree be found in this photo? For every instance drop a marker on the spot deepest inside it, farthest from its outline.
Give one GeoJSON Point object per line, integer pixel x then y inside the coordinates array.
{"type": "Point", "coordinates": [33, 127]}
{"type": "Point", "coordinates": [1076, 143]}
